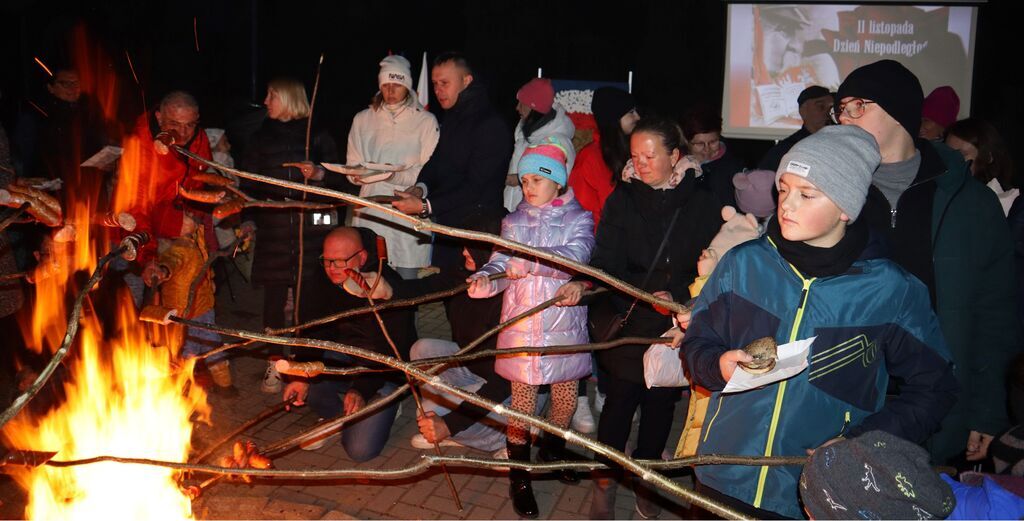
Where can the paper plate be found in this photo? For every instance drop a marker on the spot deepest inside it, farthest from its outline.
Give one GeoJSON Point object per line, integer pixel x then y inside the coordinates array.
{"type": "Point", "coordinates": [367, 173]}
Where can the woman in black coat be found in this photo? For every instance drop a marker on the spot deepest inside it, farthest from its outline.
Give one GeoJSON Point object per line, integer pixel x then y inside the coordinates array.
{"type": "Point", "coordinates": [282, 139]}
{"type": "Point", "coordinates": [657, 187]}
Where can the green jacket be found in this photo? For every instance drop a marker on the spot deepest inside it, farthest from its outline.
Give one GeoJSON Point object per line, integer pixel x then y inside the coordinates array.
{"type": "Point", "coordinates": [966, 260]}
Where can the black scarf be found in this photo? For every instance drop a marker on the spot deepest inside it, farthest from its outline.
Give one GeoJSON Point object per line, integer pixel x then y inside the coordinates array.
{"type": "Point", "coordinates": [813, 261]}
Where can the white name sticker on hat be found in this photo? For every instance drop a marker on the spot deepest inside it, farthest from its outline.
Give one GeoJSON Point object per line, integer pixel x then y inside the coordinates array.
{"type": "Point", "coordinates": [798, 168]}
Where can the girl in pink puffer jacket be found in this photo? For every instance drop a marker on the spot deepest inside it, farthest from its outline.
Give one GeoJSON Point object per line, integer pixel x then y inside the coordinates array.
{"type": "Point", "coordinates": [549, 218]}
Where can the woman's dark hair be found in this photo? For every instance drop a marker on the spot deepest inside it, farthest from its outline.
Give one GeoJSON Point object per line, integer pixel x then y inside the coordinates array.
{"type": "Point", "coordinates": [614, 147]}
{"type": "Point", "coordinates": [993, 161]}
{"type": "Point", "coordinates": [666, 129]}
{"type": "Point", "coordinates": [701, 119]}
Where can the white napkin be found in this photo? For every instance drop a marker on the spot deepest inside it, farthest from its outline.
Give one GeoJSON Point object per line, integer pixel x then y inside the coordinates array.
{"type": "Point", "coordinates": [792, 361]}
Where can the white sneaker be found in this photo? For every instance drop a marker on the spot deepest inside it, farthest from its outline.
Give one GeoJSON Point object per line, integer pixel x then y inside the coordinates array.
{"type": "Point", "coordinates": [598, 401]}
{"type": "Point", "coordinates": [271, 378]}
{"type": "Point", "coordinates": [420, 442]}
{"type": "Point", "coordinates": [318, 443]}
{"type": "Point", "coordinates": [583, 419]}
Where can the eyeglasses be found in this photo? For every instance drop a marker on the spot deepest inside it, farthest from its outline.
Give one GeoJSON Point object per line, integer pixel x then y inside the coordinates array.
{"type": "Point", "coordinates": [337, 263]}
{"type": "Point", "coordinates": [853, 109]}
{"type": "Point", "coordinates": [701, 145]}
{"type": "Point", "coordinates": [189, 126]}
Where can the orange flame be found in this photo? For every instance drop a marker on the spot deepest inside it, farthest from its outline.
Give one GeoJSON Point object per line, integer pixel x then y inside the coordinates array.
{"type": "Point", "coordinates": [123, 399]}
{"type": "Point", "coordinates": [124, 396]}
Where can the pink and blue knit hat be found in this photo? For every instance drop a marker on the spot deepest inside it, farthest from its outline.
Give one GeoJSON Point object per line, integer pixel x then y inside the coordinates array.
{"type": "Point", "coordinates": [546, 160]}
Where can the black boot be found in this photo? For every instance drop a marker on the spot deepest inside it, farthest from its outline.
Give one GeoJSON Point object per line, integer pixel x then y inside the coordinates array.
{"type": "Point", "coordinates": [520, 491]}
{"type": "Point", "coordinates": [552, 448]}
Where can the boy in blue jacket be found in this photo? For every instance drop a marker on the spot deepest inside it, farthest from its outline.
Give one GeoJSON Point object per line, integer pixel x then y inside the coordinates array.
{"type": "Point", "coordinates": [815, 273]}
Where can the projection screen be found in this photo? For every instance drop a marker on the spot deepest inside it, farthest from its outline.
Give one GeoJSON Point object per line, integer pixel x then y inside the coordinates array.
{"type": "Point", "coordinates": [774, 51]}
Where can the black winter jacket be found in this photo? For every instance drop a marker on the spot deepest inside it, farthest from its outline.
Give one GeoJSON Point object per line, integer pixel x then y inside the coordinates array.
{"type": "Point", "coordinates": [633, 223]}
{"type": "Point", "coordinates": [320, 297]}
{"type": "Point", "coordinates": [277, 234]}
{"type": "Point", "coordinates": [468, 167]}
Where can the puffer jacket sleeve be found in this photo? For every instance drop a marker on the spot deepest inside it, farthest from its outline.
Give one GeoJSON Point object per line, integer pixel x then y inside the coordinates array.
{"type": "Point", "coordinates": [578, 246]}
{"type": "Point", "coordinates": [498, 261]}
{"type": "Point", "coordinates": [917, 355]}
{"type": "Point", "coordinates": [707, 336]}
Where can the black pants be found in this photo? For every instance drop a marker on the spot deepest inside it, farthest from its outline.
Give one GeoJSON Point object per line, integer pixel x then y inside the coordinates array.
{"type": "Point", "coordinates": [657, 406]}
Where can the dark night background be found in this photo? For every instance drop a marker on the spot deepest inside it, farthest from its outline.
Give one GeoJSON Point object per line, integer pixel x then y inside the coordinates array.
{"type": "Point", "coordinates": [676, 50]}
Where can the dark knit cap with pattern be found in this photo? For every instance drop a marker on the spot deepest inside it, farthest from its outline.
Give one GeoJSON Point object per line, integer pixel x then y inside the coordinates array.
{"type": "Point", "coordinates": [874, 476]}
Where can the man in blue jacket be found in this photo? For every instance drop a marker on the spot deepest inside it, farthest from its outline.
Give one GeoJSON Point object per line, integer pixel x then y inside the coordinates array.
{"type": "Point", "coordinates": [814, 274]}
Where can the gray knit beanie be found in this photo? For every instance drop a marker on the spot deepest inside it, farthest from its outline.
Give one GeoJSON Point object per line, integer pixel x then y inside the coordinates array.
{"type": "Point", "coordinates": [839, 160]}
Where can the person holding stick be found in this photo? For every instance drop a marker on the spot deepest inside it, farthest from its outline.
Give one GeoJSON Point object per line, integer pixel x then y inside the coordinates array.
{"type": "Point", "coordinates": [549, 217]}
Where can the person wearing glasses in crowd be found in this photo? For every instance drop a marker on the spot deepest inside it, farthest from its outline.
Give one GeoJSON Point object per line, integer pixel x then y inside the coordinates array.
{"type": "Point", "coordinates": [948, 230]}
{"type": "Point", "coordinates": [702, 130]}
{"type": "Point", "coordinates": [275, 150]}
{"type": "Point", "coordinates": [349, 259]}
{"type": "Point", "coordinates": [174, 122]}
{"type": "Point", "coordinates": [60, 130]}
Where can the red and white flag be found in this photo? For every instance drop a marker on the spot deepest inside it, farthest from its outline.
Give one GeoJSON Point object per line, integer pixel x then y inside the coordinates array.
{"type": "Point", "coordinates": [423, 85]}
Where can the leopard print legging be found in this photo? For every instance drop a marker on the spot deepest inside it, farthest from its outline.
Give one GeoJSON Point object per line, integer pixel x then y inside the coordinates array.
{"type": "Point", "coordinates": [524, 399]}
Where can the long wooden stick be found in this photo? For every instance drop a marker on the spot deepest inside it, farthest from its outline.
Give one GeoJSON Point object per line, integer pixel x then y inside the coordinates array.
{"type": "Point", "coordinates": [13, 216]}
{"type": "Point", "coordinates": [325, 428]}
{"type": "Point", "coordinates": [643, 471]}
{"type": "Point", "coordinates": [427, 461]}
{"type": "Point", "coordinates": [426, 225]}
{"type": "Point", "coordinates": [398, 356]}
{"type": "Point", "coordinates": [65, 346]}
{"type": "Point", "coordinates": [302, 214]}
{"type": "Point", "coordinates": [266, 413]}
{"type": "Point", "coordinates": [414, 301]}
{"type": "Point", "coordinates": [311, 369]}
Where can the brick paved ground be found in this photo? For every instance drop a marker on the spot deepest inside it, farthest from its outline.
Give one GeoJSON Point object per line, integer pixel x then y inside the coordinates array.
{"type": "Point", "coordinates": [484, 493]}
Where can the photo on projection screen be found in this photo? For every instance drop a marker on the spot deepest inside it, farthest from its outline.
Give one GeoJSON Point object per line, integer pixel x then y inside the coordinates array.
{"type": "Point", "coordinates": [774, 51]}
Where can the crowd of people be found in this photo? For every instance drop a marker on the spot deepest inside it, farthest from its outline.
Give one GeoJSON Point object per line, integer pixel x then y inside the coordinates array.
{"type": "Point", "coordinates": [869, 231]}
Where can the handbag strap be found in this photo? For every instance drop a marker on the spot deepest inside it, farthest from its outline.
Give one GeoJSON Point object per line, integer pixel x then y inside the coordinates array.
{"type": "Point", "coordinates": [654, 262]}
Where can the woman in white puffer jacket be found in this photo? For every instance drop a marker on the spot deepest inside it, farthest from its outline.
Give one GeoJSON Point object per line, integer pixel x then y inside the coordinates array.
{"type": "Point", "coordinates": [395, 129]}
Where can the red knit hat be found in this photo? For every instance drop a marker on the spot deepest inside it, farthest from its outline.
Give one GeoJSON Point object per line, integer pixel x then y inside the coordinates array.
{"type": "Point", "coordinates": [538, 94]}
{"type": "Point", "coordinates": [941, 106]}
